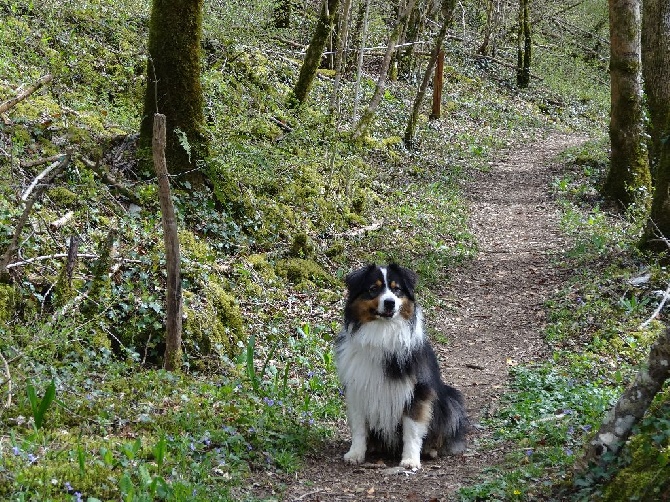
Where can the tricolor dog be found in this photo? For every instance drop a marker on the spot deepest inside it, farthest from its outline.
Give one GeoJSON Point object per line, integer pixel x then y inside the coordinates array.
{"type": "Point", "coordinates": [395, 397]}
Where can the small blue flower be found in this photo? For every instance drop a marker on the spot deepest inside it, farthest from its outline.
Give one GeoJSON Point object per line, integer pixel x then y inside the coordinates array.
{"type": "Point", "coordinates": [568, 452]}
{"type": "Point", "coordinates": [16, 450]}
{"type": "Point", "coordinates": [529, 452]}
{"type": "Point", "coordinates": [31, 458]}
{"type": "Point", "coordinates": [78, 497]}
{"type": "Point", "coordinates": [68, 486]}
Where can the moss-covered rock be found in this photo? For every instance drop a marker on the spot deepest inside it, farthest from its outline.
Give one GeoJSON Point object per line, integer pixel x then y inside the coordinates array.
{"type": "Point", "coordinates": [302, 272]}
{"type": "Point", "coordinates": [302, 246]}
{"type": "Point", "coordinates": [61, 196]}
{"type": "Point", "coordinates": [214, 322]}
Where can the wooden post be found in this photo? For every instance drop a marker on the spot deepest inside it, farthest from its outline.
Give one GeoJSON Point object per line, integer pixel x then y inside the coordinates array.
{"type": "Point", "coordinates": [173, 307]}
{"type": "Point", "coordinates": [437, 86]}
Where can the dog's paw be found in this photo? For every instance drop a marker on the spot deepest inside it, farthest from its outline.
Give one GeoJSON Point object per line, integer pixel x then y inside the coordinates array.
{"type": "Point", "coordinates": [410, 463]}
{"type": "Point", "coordinates": [354, 457]}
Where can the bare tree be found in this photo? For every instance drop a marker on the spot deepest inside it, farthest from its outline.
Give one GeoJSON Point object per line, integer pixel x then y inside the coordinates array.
{"type": "Point", "coordinates": [448, 7]}
{"type": "Point", "coordinates": [524, 45]}
{"type": "Point", "coordinates": [366, 119]}
{"type": "Point", "coordinates": [315, 50]}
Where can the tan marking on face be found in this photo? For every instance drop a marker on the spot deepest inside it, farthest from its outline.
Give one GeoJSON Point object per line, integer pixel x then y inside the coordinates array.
{"type": "Point", "coordinates": [364, 310]}
{"type": "Point", "coordinates": [407, 308]}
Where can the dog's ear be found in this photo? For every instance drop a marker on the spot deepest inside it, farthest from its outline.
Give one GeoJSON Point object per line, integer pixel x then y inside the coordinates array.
{"type": "Point", "coordinates": [354, 280]}
{"type": "Point", "coordinates": [409, 278]}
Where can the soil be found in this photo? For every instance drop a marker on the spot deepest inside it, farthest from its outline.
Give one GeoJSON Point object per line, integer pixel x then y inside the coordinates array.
{"type": "Point", "coordinates": [493, 319]}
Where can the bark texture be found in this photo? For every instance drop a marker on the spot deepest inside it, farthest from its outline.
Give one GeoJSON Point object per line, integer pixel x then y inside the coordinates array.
{"type": "Point", "coordinates": [316, 45]}
{"type": "Point", "coordinates": [173, 85]}
{"type": "Point", "coordinates": [656, 70]}
{"type": "Point", "coordinates": [173, 299]}
{"type": "Point", "coordinates": [628, 179]}
{"type": "Point", "coordinates": [632, 405]}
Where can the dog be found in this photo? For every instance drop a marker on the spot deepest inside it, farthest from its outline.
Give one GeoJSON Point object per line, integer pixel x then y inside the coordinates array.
{"type": "Point", "coordinates": [394, 395]}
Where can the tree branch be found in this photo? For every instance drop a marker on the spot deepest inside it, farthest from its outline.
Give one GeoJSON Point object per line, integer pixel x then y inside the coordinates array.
{"type": "Point", "coordinates": [23, 95]}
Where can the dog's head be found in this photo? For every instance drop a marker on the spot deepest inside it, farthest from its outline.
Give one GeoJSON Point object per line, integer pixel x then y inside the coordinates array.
{"type": "Point", "coordinates": [380, 293]}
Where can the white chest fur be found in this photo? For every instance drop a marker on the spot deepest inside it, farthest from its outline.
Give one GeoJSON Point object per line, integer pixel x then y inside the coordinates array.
{"type": "Point", "coordinates": [361, 363]}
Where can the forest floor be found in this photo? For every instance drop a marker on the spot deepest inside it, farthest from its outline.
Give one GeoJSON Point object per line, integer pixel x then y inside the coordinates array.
{"type": "Point", "coordinates": [494, 318]}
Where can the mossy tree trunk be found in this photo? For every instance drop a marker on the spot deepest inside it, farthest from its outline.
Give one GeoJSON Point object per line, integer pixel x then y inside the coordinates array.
{"type": "Point", "coordinates": [342, 40]}
{"type": "Point", "coordinates": [315, 50]}
{"type": "Point", "coordinates": [173, 85]}
{"type": "Point", "coordinates": [632, 404]}
{"type": "Point", "coordinates": [282, 13]}
{"type": "Point", "coordinates": [524, 45]}
{"type": "Point", "coordinates": [656, 71]}
{"type": "Point", "coordinates": [368, 115]}
{"type": "Point", "coordinates": [628, 179]}
{"type": "Point", "coordinates": [448, 7]}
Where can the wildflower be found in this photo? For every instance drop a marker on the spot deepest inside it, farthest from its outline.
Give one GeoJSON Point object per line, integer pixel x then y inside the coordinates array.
{"type": "Point", "coordinates": [268, 401]}
{"type": "Point", "coordinates": [31, 458]}
{"type": "Point", "coordinates": [16, 450]}
{"type": "Point", "coordinates": [78, 497]}
{"type": "Point", "coordinates": [568, 452]}
{"type": "Point", "coordinates": [67, 486]}
{"type": "Point", "coordinates": [529, 452]}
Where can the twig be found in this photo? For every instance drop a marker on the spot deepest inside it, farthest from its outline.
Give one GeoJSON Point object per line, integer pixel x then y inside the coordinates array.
{"type": "Point", "coordinates": [666, 297]}
{"type": "Point", "coordinates": [44, 174]}
{"type": "Point", "coordinates": [48, 257]}
{"type": "Point", "coordinates": [39, 162]}
{"type": "Point", "coordinates": [17, 99]}
{"type": "Point", "coordinates": [8, 403]}
{"type": "Point", "coordinates": [109, 179]}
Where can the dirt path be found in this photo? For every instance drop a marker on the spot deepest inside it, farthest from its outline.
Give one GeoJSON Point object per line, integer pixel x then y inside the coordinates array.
{"type": "Point", "coordinates": [495, 319]}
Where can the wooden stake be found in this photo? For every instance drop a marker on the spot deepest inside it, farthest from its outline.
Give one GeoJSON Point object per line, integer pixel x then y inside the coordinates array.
{"type": "Point", "coordinates": [437, 86]}
{"type": "Point", "coordinates": [173, 307]}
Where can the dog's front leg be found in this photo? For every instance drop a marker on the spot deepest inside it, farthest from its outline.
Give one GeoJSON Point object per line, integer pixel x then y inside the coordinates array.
{"type": "Point", "coordinates": [413, 433]}
{"type": "Point", "coordinates": [359, 436]}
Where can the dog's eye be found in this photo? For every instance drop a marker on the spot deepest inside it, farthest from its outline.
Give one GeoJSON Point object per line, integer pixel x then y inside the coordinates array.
{"type": "Point", "coordinates": [373, 289]}
{"type": "Point", "coordinates": [396, 289]}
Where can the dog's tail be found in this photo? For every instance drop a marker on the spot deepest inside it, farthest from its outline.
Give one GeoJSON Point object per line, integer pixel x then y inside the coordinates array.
{"type": "Point", "coordinates": [450, 419]}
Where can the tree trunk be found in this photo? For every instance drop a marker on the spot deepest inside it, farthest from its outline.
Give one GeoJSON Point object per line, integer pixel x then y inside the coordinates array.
{"type": "Point", "coordinates": [359, 66]}
{"type": "Point", "coordinates": [173, 85]}
{"type": "Point", "coordinates": [282, 13]}
{"type": "Point", "coordinates": [628, 179]}
{"type": "Point", "coordinates": [656, 70]}
{"type": "Point", "coordinates": [343, 34]}
{"type": "Point", "coordinates": [448, 7]}
{"type": "Point", "coordinates": [632, 405]}
{"type": "Point", "coordinates": [656, 73]}
{"type": "Point", "coordinates": [365, 121]}
{"type": "Point", "coordinates": [524, 45]}
{"type": "Point", "coordinates": [173, 298]}
{"type": "Point", "coordinates": [315, 50]}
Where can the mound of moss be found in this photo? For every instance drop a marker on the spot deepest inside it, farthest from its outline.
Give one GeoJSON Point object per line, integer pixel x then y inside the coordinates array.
{"type": "Point", "coordinates": [214, 323]}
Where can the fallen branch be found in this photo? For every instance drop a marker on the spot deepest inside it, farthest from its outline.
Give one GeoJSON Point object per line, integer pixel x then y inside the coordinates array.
{"type": "Point", "coordinates": [110, 180]}
{"type": "Point", "coordinates": [23, 95]}
{"type": "Point", "coordinates": [47, 176]}
{"type": "Point", "coordinates": [44, 174]}
{"type": "Point", "coordinates": [48, 257]}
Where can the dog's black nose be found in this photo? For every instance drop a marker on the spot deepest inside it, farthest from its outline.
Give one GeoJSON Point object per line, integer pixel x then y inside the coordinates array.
{"type": "Point", "coordinates": [389, 305]}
